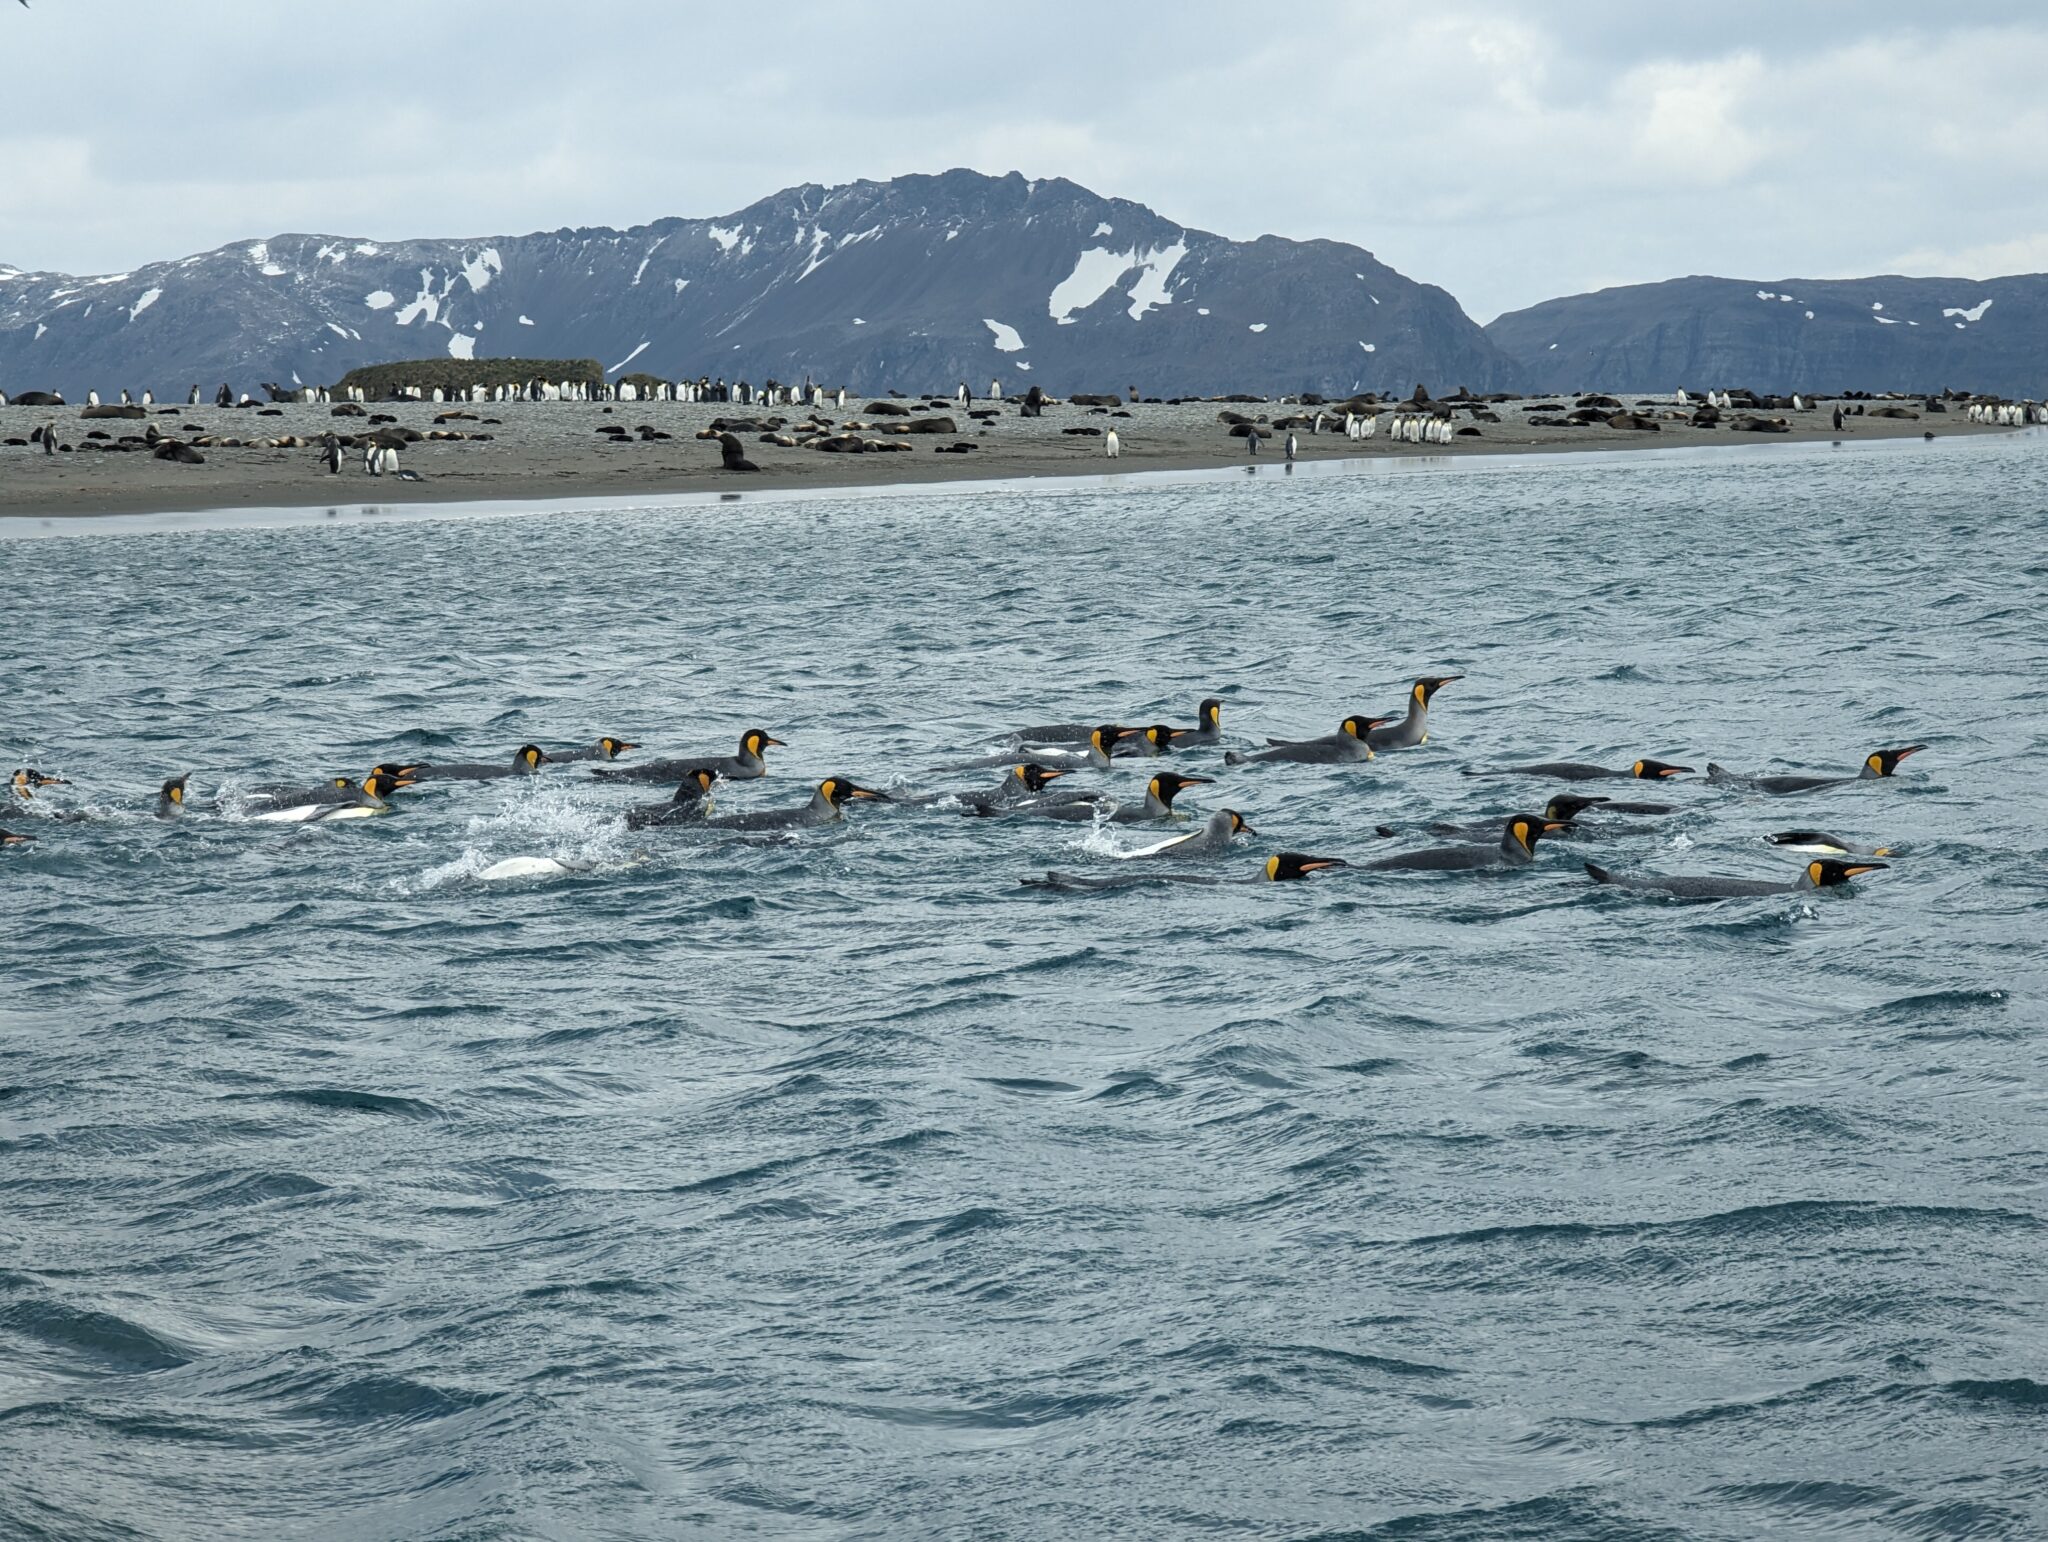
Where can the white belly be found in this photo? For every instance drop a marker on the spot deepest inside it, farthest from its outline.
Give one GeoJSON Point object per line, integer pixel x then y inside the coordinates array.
{"type": "Point", "coordinates": [525, 867]}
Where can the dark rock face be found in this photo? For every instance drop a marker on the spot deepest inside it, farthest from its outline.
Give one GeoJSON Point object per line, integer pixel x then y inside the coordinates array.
{"type": "Point", "coordinates": [1877, 334]}
{"type": "Point", "coordinates": [914, 284]}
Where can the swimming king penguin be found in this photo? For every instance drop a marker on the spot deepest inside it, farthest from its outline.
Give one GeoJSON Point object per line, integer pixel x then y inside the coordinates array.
{"type": "Point", "coordinates": [1414, 728]}
{"type": "Point", "coordinates": [1821, 873]}
{"type": "Point", "coordinates": [1878, 763]}
{"type": "Point", "coordinates": [1350, 743]}
{"type": "Point", "coordinates": [1516, 848]}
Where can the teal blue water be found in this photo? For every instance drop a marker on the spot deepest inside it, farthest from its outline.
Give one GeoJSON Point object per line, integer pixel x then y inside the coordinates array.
{"type": "Point", "coordinates": [841, 1187]}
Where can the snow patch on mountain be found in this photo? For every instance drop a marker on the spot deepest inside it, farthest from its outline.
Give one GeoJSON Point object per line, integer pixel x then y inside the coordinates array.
{"type": "Point", "coordinates": [425, 303]}
{"type": "Point", "coordinates": [480, 269]}
{"type": "Point", "coordinates": [1150, 289]}
{"type": "Point", "coordinates": [816, 259]}
{"type": "Point", "coordinates": [1097, 271]}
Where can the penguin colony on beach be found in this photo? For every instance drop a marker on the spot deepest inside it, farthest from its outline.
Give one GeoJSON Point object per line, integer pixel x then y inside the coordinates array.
{"type": "Point", "coordinates": [889, 423]}
{"type": "Point", "coordinates": [1037, 761]}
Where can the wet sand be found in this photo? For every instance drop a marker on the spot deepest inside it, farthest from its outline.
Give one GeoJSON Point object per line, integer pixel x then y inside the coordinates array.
{"type": "Point", "coordinates": [553, 451]}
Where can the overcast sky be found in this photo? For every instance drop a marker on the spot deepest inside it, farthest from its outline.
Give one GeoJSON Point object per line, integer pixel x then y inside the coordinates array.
{"type": "Point", "coordinates": [1509, 153]}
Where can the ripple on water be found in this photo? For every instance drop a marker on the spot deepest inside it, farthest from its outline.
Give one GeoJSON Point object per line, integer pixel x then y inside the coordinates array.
{"type": "Point", "coordinates": [663, 1183]}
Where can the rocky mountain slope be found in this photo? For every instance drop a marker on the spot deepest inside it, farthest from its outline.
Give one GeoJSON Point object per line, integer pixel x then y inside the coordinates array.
{"type": "Point", "coordinates": [915, 283]}
{"type": "Point", "coordinates": [1878, 334]}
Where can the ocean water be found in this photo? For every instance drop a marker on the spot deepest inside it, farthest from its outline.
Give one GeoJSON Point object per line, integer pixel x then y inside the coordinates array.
{"type": "Point", "coordinates": [841, 1187]}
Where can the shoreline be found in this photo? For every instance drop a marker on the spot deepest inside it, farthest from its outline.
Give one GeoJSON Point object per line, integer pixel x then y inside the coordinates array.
{"type": "Point", "coordinates": [543, 459]}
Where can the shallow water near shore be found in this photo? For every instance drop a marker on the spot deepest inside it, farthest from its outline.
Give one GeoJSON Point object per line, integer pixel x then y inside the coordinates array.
{"type": "Point", "coordinates": [840, 1187]}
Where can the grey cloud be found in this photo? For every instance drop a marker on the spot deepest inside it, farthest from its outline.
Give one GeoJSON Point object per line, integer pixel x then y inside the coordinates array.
{"type": "Point", "coordinates": [1505, 154]}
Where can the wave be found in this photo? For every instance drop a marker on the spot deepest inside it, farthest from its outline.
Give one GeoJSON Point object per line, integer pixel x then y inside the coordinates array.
{"type": "Point", "coordinates": [344, 1100]}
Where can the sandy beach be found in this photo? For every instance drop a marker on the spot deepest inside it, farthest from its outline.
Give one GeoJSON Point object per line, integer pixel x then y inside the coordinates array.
{"type": "Point", "coordinates": [554, 450]}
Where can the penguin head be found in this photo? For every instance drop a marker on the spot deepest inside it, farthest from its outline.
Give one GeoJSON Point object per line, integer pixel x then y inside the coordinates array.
{"type": "Point", "coordinates": [1826, 872]}
{"type": "Point", "coordinates": [1290, 865]}
{"type": "Point", "coordinates": [1656, 770]}
{"type": "Point", "coordinates": [1210, 714]}
{"type": "Point", "coordinates": [1885, 762]}
{"type": "Point", "coordinates": [1428, 686]}
{"type": "Point", "coordinates": [836, 790]}
{"type": "Point", "coordinates": [614, 748]}
{"type": "Point", "coordinates": [9, 838]}
{"type": "Point", "coordinates": [173, 791]}
{"type": "Point", "coordinates": [1359, 727]}
{"type": "Point", "coordinates": [1568, 806]}
{"type": "Point", "coordinates": [345, 783]}
{"type": "Point", "coordinates": [28, 779]}
{"type": "Point", "coordinates": [381, 786]}
{"type": "Point", "coordinates": [1159, 736]}
{"type": "Point", "coordinates": [531, 757]}
{"type": "Point", "coordinates": [1166, 785]}
{"type": "Point", "coordinates": [1034, 776]}
{"type": "Point", "coordinates": [696, 783]}
{"type": "Point", "coordinates": [1525, 830]}
{"type": "Point", "coordinates": [389, 768]}
{"type": "Point", "coordinates": [1238, 824]}
{"type": "Point", "coordinates": [755, 740]}
{"type": "Point", "coordinates": [1105, 737]}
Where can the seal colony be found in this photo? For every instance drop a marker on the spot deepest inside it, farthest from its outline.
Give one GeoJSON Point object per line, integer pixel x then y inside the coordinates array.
{"type": "Point", "coordinates": [58, 459]}
{"type": "Point", "coordinates": [1036, 787]}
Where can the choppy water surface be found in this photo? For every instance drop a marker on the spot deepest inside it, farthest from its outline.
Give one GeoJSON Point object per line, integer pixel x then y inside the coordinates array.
{"type": "Point", "coordinates": [842, 1188]}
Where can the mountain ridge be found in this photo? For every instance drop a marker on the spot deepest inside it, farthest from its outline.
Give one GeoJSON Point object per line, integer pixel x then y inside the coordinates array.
{"type": "Point", "coordinates": [917, 281]}
{"type": "Point", "coordinates": [1885, 332]}
{"type": "Point", "coordinates": [921, 281]}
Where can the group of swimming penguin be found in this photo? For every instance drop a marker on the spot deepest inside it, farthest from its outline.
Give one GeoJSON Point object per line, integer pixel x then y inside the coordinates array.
{"type": "Point", "coordinates": [1041, 756]}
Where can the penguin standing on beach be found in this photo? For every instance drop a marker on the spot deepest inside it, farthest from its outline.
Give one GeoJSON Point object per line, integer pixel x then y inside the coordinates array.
{"type": "Point", "coordinates": [330, 455]}
{"type": "Point", "coordinates": [1112, 446]}
{"type": "Point", "coordinates": [1292, 445]}
{"type": "Point", "coordinates": [49, 438]}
